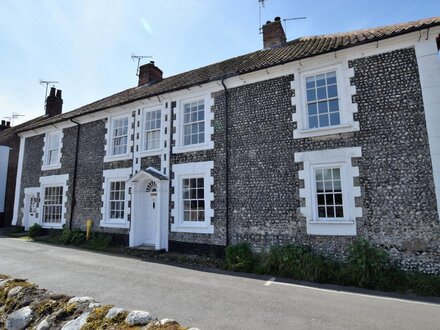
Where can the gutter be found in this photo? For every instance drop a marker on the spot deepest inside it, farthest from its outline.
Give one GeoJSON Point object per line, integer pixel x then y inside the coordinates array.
{"type": "Point", "coordinates": [75, 168]}
{"type": "Point", "coordinates": [226, 122]}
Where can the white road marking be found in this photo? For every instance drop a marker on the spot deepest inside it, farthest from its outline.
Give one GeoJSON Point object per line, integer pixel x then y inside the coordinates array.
{"type": "Point", "coordinates": [273, 281]}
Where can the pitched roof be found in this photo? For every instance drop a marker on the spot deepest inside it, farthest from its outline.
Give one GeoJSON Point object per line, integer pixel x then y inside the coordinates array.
{"type": "Point", "coordinates": [293, 50]}
{"type": "Point", "coordinates": [10, 132]}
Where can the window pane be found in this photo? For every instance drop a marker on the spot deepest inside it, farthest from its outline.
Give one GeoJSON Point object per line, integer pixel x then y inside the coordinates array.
{"type": "Point", "coordinates": [333, 105]}
{"type": "Point", "coordinates": [321, 212]}
{"type": "Point", "coordinates": [339, 212]}
{"type": "Point", "coordinates": [338, 199]}
{"type": "Point", "coordinates": [312, 109]}
{"type": "Point", "coordinates": [322, 93]}
{"type": "Point", "coordinates": [330, 212]}
{"type": "Point", "coordinates": [334, 118]}
{"type": "Point", "coordinates": [332, 91]}
{"type": "Point", "coordinates": [323, 120]}
{"type": "Point", "coordinates": [311, 95]}
{"type": "Point", "coordinates": [331, 77]}
{"type": "Point", "coordinates": [321, 199]}
{"type": "Point", "coordinates": [320, 80]}
{"type": "Point", "coordinates": [310, 82]}
{"type": "Point", "coordinates": [323, 108]}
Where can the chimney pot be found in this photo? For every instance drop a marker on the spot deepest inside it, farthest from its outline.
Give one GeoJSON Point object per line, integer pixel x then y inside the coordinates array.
{"type": "Point", "coordinates": [273, 34]}
{"type": "Point", "coordinates": [8, 124]}
{"type": "Point", "coordinates": [54, 102]}
{"type": "Point", "coordinates": [149, 73]}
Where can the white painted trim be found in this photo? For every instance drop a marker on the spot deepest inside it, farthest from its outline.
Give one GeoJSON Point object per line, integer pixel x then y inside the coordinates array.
{"type": "Point", "coordinates": [29, 192]}
{"type": "Point", "coordinates": [429, 70]}
{"type": "Point", "coordinates": [192, 170]}
{"type": "Point", "coordinates": [345, 92]}
{"type": "Point", "coordinates": [109, 157]}
{"type": "Point", "coordinates": [178, 124]}
{"type": "Point", "coordinates": [18, 180]}
{"type": "Point", "coordinates": [119, 174]}
{"type": "Point", "coordinates": [325, 158]}
{"type": "Point", "coordinates": [46, 144]}
{"type": "Point", "coordinates": [53, 181]}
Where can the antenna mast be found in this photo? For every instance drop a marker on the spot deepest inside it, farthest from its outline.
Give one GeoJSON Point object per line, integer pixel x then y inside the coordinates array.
{"type": "Point", "coordinates": [260, 6]}
{"type": "Point", "coordinates": [46, 82]}
{"type": "Point", "coordinates": [291, 19]}
{"type": "Point", "coordinates": [139, 58]}
{"type": "Point", "coordinates": [14, 116]}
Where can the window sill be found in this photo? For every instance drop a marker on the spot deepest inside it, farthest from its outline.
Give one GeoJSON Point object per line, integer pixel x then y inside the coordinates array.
{"type": "Point", "coordinates": [50, 167]}
{"type": "Point", "coordinates": [116, 158]}
{"type": "Point", "coordinates": [183, 228]}
{"type": "Point", "coordinates": [52, 225]}
{"type": "Point", "coordinates": [114, 224]}
{"type": "Point", "coordinates": [331, 228]}
{"type": "Point", "coordinates": [193, 147]}
{"type": "Point", "coordinates": [330, 130]}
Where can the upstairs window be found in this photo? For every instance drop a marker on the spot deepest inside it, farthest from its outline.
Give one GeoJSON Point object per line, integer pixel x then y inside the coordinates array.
{"type": "Point", "coordinates": [119, 136]}
{"type": "Point", "coordinates": [194, 123]}
{"type": "Point", "coordinates": [52, 150]}
{"type": "Point", "coordinates": [322, 100]}
{"type": "Point", "coordinates": [193, 199]}
{"type": "Point", "coordinates": [152, 130]}
{"type": "Point", "coordinates": [329, 193]}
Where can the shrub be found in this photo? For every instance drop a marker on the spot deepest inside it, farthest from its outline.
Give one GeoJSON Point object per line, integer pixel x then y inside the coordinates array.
{"type": "Point", "coordinates": [299, 262]}
{"type": "Point", "coordinates": [35, 230]}
{"type": "Point", "coordinates": [74, 237]}
{"type": "Point", "coordinates": [99, 241]}
{"type": "Point", "coordinates": [240, 258]}
{"type": "Point", "coordinates": [367, 266]}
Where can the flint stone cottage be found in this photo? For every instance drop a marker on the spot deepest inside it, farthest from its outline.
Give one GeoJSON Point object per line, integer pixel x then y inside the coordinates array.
{"type": "Point", "coordinates": [313, 141]}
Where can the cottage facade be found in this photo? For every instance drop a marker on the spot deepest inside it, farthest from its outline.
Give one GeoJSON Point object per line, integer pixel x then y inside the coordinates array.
{"type": "Point", "coordinates": [314, 141]}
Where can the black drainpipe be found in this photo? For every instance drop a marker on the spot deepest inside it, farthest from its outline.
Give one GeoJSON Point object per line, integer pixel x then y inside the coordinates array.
{"type": "Point", "coordinates": [72, 207]}
{"type": "Point", "coordinates": [226, 122]}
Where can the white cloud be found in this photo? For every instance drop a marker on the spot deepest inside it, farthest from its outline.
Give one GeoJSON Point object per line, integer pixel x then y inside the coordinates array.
{"type": "Point", "coordinates": [146, 26]}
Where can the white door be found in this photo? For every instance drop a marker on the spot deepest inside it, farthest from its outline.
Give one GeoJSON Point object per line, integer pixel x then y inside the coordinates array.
{"type": "Point", "coordinates": [150, 219]}
{"type": "Point", "coordinates": [30, 209]}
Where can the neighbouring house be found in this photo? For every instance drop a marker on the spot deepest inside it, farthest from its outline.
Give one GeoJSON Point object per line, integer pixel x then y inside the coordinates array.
{"type": "Point", "coordinates": [312, 141]}
{"type": "Point", "coordinates": [9, 154]}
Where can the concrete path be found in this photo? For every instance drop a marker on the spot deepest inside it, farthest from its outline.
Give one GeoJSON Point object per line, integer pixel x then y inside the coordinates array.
{"type": "Point", "coordinates": [208, 300]}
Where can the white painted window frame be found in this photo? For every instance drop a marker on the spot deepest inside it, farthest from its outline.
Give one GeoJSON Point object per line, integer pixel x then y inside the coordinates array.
{"type": "Point", "coordinates": [152, 152]}
{"type": "Point", "coordinates": [47, 138]}
{"type": "Point", "coordinates": [345, 92]}
{"type": "Point", "coordinates": [188, 171]}
{"type": "Point", "coordinates": [53, 181]}
{"type": "Point", "coordinates": [120, 174]}
{"type": "Point", "coordinates": [341, 158]}
{"type": "Point", "coordinates": [110, 157]}
{"type": "Point", "coordinates": [209, 130]}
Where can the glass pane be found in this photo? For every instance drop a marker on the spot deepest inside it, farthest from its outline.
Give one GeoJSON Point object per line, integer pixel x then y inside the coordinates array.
{"type": "Point", "coordinates": [312, 109]}
{"type": "Point", "coordinates": [323, 120]}
{"type": "Point", "coordinates": [201, 216]}
{"type": "Point", "coordinates": [320, 80]}
{"type": "Point", "coordinates": [330, 212]}
{"type": "Point", "coordinates": [311, 95]}
{"type": "Point", "coordinates": [329, 199]}
{"type": "Point", "coordinates": [322, 94]}
{"type": "Point", "coordinates": [333, 105]}
{"type": "Point", "coordinates": [319, 186]}
{"type": "Point", "coordinates": [338, 199]}
{"type": "Point", "coordinates": [332, 91]}
{"type": "Point", "coordinates": [331, 77]}
{"type": "Point", "coordinates": [337, 185]}
{"type": "Point", "coordinates": [334, 118]}
{"type": "Point", "coordinates": [339, 212]}
{"type": "Point", "coordinates": [310, 82]}
{"type": "Point", "coordinates": [313, 122]}
{"type": "Point", "coordinates": [321, 212]}
{"type": "Point", "coordinates": [327, 174]}
{"type": "Point", "coordinates": [319, 174]}
{"type": "Point", "coordinates": [336, 173]}
{"type": "Point", "coordinates": [321, 200]}
{"type": "Point", "coordinates": [323, 108]}
{"type": "Point", "coordinates": [328, 186]}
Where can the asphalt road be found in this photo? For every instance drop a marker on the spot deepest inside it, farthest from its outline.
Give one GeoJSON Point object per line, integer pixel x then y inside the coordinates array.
{"type": "Point", "coordinates": [208, 300]}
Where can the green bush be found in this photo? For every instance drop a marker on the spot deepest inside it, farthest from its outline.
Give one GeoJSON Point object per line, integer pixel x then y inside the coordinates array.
{"type": "Point", "coordinates": [74, 237]}
{"type": "Point", "coordinates": [99, 241]}
{"type": "Point", "coordinates": [367, 266]}
{"type": "Point", "coordinates": [240, 258]}
{"type": "Point", "coordinates": [299, 262]}
{"type": "Point", "coordinates": [35, 230]}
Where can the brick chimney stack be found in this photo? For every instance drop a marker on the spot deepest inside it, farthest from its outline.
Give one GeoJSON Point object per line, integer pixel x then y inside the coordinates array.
{"type": "Point", "coordinates": [4, 125]}
{"type": "Point", "coordinates": [54, 102]}
{"type": "Point", "coordinates": [273, 34]}
{"type": "Point", "coordinates": [149, 74]}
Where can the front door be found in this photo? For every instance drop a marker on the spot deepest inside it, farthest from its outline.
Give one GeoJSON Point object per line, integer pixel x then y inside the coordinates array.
{"type": "Point", "coordinates": [150, 219]}
{"type": "Point", "coordinates": [30, 207]}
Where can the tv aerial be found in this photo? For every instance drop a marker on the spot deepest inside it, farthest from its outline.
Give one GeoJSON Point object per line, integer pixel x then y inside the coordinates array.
{"type": "Point", "coordinates": [14, 116]}
{"type": "Point", "coordinates": [139, 58]}
{"type": "Point", "coordinates": [47, 83]}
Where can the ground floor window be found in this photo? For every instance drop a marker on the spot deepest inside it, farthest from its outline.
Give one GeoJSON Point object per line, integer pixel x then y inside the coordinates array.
{"type": "Point", "coordinates": [117, 200]}
{"type": "Point", "coordinates": [53, 204]}
{"type": "Point", "coordinates": [193, 199]}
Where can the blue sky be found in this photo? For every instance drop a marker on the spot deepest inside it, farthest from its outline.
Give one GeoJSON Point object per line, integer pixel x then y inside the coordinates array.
{"type": "Point", "coordinates": [86, 44]}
